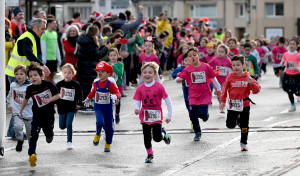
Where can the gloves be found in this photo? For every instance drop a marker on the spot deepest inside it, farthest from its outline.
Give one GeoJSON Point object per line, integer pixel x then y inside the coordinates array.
{"type": "Point", "coordinates": [113, 97]}
{"type": "Point", "coordinates": [87, 102]}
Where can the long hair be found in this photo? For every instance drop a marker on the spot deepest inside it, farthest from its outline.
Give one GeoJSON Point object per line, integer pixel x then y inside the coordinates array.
{"type": "Point", "coordinates": [93, 32]}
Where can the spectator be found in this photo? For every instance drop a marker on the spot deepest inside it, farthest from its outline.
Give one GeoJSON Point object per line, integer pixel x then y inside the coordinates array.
{"type": "Point", "coordinates": [18, 25]}
{"type": "Point", "coordinates": [77, 19]}
{"type": "Point", "coordinates": [42, 15]}
{"type": "Point", "coordinates": [35, 14]}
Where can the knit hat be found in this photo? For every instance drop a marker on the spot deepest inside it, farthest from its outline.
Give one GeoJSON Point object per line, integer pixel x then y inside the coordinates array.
{"type": "Point", "coordinates": [104, 67]}
{"type": "Point", "coordinates": [17, 10]}
{"type": "Point", "coordinates": [122, 16]}
{"type": "Point", "coordinates": [98, 15]}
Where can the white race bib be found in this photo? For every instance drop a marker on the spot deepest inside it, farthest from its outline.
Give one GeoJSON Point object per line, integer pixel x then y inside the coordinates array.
{"type": "Point", "coordinates": [102, 98]}
{"type": "Point", "coordinates": [41, 96]}
{"type": "Point", "coordinates": [19, 94]}
{"type": "Point", "coordinates": [247, 65]}
{"type": "Point", "coordinates": [67, 94]}
{"type": "Point", "coordinates": [198, 77]}
{"type": "Point", "coordinates": [236, 105]}
{"type": "Point", "coordinates": [152, 115]}
{"type": "Point", "coordinates": [224, 70]}
{"type": "Point", "coordinates": [279, 56]}
{"type": "Point", "coordinates": [291, 65]}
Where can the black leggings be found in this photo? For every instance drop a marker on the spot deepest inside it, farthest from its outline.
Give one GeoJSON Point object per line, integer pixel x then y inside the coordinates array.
{"type": "Point", "coordinates": [156, 131]}
{"type": "Point", "coordinates": [118, 107]}
{"type": "Point", "coordinates": [231, 122]}
{"type": "Point", "coordinates": [291, 97]}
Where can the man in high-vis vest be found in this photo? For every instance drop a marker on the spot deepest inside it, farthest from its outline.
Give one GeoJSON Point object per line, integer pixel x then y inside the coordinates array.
{"type": "Point", "coordinates": [27, 49]}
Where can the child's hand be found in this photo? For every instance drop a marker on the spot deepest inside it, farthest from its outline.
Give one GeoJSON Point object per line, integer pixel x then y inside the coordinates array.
{"type": "Point", "coordinates": [46, 101]}
{"type": "Point", "coordinates": [168, 120]}
{"type": "Point", "coordinates": [78, 106]}
{"type": "Point", "coordinates": [137, 112]}
{"type": "Point", "coordinates": [10, 109]}
{"type": "Point", "coordinates": [87, 102]}
{"type": "Point", "coordinates": [179, 80]}
{"type": "Point", "coordinates": [17, 100]}
{"type": "Point", "coordinates": [113, 97]}
{"type": "Point", "coordinates": [249, 79]}
{"type": "Point", "coordinates": [219, 93]}
{"type": "Point", "coordinates": [222, 105]}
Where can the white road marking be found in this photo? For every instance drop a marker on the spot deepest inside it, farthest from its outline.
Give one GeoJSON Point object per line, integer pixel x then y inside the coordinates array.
{"type": "Point", "coordinates": [269, 119]}
{"type": "Point", "coordinates": [284, 111]}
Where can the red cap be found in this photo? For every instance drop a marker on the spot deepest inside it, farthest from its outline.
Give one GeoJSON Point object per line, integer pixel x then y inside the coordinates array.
{"type": "Point", "coordinates": [108, 15]}
{"type": "Point", "coordinates": [98, 15]}
{"type": "Point", "coordinates": [149, 39]}
{"type": "Point", "coordinates": [104, 67]}
{"type": "Point", "coordinates": [189, 19]}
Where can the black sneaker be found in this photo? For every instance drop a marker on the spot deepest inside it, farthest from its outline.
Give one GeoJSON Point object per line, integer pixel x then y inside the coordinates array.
{"type": "Point", "coordinates": [149, 158]}
{"type": "Point", "coordinates": [2, 151]}
{"type": "Point", "coordinates": [117, 117]}
{"type": "Point", "coordinates": [123, 95]}
{"type": "Point", "coordinates": [49, 140]}
{"type": "Point", "coordinates": [166, 138]}
{"type": "Point", "coordinates": [19, 146]}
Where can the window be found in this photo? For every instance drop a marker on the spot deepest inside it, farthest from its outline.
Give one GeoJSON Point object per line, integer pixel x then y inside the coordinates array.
{"type": "Point", "coordinates": [241, 10]}
{"type": "Point", "coordinates": [274, 10]}
{"type": "Point", "coordinates": [198, 11]}
{"type": "Point", "coordinates": [84, 11]}
{"type": "Point", "coordinates": [154, 11]}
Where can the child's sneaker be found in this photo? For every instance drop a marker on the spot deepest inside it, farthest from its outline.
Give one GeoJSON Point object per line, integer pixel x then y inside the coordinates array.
{"type": "Point", "coordinates": [197, 136]}
{"type": "Point", "coordinates": [166, 138]}
{"type": "Point", "coordinates": [19, 146]}
{"type": "Point", "coordinates": [292, 108]}
{"type": "Point", "coordinates": [244, 147]}
{"type": "Point", "coordinates": [69, 146]}
{"type": "Point", "coordinates": [32, 160]}
{"type": "Point", "coordinates": [222, 111]}
{"type": "Point", "coordinates": [107, 148]}
{"type": "Point", "coordinates": [49, 140]}
{"type": "Point", "coordinates": [117, 118]}
{"type": "Point", "coordinates": [96, 139]}
{"type": "Point", "coordinates": [2, 151]}
{"type": "Point", "coordinates": [149, 158]}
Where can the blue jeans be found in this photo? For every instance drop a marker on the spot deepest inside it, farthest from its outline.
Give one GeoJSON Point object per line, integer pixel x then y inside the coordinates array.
{"type": "Point", "coordinates": [198, 111]}
{"type": "Point", "coordinates": [66, 121]}
{"type": "Point", "coordinates": [11, 131]}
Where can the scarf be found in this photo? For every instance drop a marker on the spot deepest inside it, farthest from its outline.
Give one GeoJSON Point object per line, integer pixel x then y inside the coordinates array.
{"type": "Point", "coordinates": [72, 41]}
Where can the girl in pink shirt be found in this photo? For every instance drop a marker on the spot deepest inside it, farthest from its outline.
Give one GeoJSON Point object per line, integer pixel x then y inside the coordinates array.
{"type": "Point", "coordinates": [197, 77]}
{"type": "Point", "coordinates": [291, 78]}
{"type": "Point", "coordinates": [210, 48]}
{"type": "Point", "coordinates": [182, 50]}
{"type": "Point", "coordinates": [202, 48]}
{"type": "Point", "coordinates": [150, 94]}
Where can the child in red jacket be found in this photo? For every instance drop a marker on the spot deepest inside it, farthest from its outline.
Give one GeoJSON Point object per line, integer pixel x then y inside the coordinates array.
{"type": "Point", "coordinates": [238, 84]}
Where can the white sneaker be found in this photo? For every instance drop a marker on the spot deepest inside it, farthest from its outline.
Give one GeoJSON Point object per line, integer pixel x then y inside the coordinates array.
{"type": "Point", "coordinates": [292, 108]}
{"type": "Point", "coordinates": [298, 99]}
{"type": "Point", "coordinates": [69, 146]}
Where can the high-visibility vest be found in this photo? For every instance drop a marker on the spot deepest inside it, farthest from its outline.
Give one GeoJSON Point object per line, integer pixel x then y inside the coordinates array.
{"type": "Point", "coordinates": [16, 59]}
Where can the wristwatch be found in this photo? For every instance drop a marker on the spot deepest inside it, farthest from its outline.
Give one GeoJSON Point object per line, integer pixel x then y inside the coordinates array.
{"type": "Point", "coordinates": [20, 115]}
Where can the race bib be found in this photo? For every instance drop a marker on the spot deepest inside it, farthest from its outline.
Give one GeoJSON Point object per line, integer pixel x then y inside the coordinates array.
{"type": "Point", "coordinates": [102, 98]}
{"type": "Point", "coordinates": [247, 65]}
{"type": "Point", "coordinates": [279, 56]}
{"type": "Point", "coordinates": [224, 70]}
{"type": "Point", "coordinates": [115, 76]}
{"type": "Point", "coordinates": [18, 94]}
{"type": "Point", "coordinates": [236, 105]}
{"type": "Point", "coordinates": [291, 65]}
{"type": "Point", "coordinates": [198, 77]}
{"type": "Point", "coordinates": [67, 94]}
{"type": "Point", "coordinates": [41, 96]}
{"type": "Point", "coordinates": [201, 54]}
{"type": "Point", "coordinates": [152, 115]}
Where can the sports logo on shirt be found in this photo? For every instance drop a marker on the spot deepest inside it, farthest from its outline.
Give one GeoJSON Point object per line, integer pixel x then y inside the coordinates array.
{"type": "Point", "coordinates": [41, 96]}
{"type": "Point", "coordinates": [198, 77]}
{"type": "Point", "coordinates": [67, 94]}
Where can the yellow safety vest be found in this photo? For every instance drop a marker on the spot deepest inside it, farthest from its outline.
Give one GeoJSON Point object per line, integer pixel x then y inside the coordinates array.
{"type": "Point", "coordinates": [16, 59]}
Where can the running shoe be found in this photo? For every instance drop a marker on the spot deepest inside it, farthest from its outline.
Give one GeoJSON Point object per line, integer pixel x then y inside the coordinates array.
{"type": "Point", "coordinates": [69, 146]}
{"type": "Point", "coordinates": [96, 139]}
{"type": "Point", "coordinates": [292, 108]}
{"type": "Point", "coordinates": [107, 148]}
{"type": "Point", "coordinates": [244, 147]}
{"type": "Point", "coordinates": [197, 136]}
{"type": "Point", "coordinates": [166, 138]}
{"type": "Point", "coordinates": [49, 140]}
{"type": "Point", "coordinates": [117, 118]}
{"type": "Point", "coordinates": [32, 160]}
{"type": "Point", "coordinates": [2, 151]}
{"type": "Point", "coordinates": [19, 146]}
{"type": "Point", "coordinates": [149, 158]}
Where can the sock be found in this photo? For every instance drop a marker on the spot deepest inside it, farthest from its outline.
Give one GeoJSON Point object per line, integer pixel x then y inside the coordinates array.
{"type": "Point", "coordinates": [293, 104]}
{"type": "Point", "coordinates": [150, 151]}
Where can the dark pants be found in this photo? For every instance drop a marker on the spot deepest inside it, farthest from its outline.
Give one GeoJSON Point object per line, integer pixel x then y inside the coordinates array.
{"type": "Point", "coordinates": [198, 111]}
{"type": "Point", "coordinates": [231, 122]}
{"type": "Point", "coordinates": [118, 107]}
{"type": "Point", "coordinates": [156, 131]}
{"type": "Point", "coordinates": [36, 129]}
{"type": "Point", "coordinates": [127, 62]}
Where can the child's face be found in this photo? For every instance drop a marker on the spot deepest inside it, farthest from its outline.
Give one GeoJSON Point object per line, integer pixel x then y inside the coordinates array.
{"type": "Point", "coordinates": [68, 74]}
{"type": "Point", "coordinates": [203, 43]}
{"type": "Point", "coordinates": [242, 49]}
{"type": "Point", "coordinates": [187, 61]}
{"type": "Point", "coordinates": [228, 35]}
{"type": "Point", "coordinates": [292, 45]}
{"type": "Point", "coordinates": [185, 49]}
{"type": "Point", "coordinates": [237, 67]}
{"type": "Point", "coordinates": [148, 74]}
{"type": "Point", "coordinates": [34, 77]}
{"type": "Point", "coordinates": [253, 46]}
{"type": "Point", "coordinates": [210, 50]}
{"type": "Point", "coordinates": [221, 53]}
{"type": "Point", "coordinates": [281, 45]}
{"type": "Point", "coordinates": [20, 76]}
{"type": "Point", "coordinates": [148, 47]}
{"type": "Point", "coordinates": [193, 57]}
{"type": "Point", "coordinates": [247, 51]}
{"type": "Point", "coordinates": [102, 75]}
{"type": "Point", "coordinates": [231, 44]}
{"type": "Point", "coordinates": [258, 43]}
{"type": "Point", "coordinates": [113, 57]}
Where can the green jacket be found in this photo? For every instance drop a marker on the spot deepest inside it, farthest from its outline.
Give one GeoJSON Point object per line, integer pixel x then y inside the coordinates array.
{"type": "Point", "coordinates": [138, 41]}
{"type": "Point", "coordinates": [251, 65]}
{"type": "Point", "coordinates": [118, 72]}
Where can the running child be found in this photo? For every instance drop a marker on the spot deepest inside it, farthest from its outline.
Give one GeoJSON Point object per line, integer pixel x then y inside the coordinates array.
{"type": "Point", "coordinates": [44, 94]}
{"type": "Point", "coordinates": [70, 100]}
{"type": "Point", "coordinates": [118, 68]}
{"type": "Point", "coordinates": [210, 48]}
{"type": "Point", "coordinates": [197, 76]}
{"type": "Point", "coordinates": [180, 52]}
{"type": "Point", "coordinates": [276, 56]}
{"type": "Point", "coordinates": [202, 48]}
{"type": "Point", "coordinates": [150, 94]}
{"type": "Point", "coordinates": [105, 92]}
{"type": "Point", "coordinates": [251, 65]}
{"type": "Point", "coordinates": [238, 85]}
{"type": "Point", "coordinates": [15, 99]}
{"type": "Point", "coordinates": [291, 77]}
{"type": "Point", "coordinates": [232, 44]}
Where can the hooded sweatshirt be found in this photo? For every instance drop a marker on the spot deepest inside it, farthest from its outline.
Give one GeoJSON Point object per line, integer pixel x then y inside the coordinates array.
{"type": "Point", "coordinates": [239, 88]}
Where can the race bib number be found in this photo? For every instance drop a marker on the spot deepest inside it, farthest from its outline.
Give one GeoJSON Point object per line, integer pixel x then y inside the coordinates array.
{"type": "Point", "coordinates": [67, 94]}
{"type": "Point", "coordinates": [18, 94]}
{"type": "Point", "coordinates": [236, 105]}
{"type": "Point", "coordinates": [152, 115]}
{"type": "Point", "coordinates": [115, 76]}
{"type": "Point", "coordinates": [41, 96]}
{"type": "Point", "coordinates": [291, 65]}
{"type": "Point", "coordinates": [279, 56]}
{"type": "Point", "coordinates": [247, 65]}
{"type": "Point", "coordinates": [198, 77]}
{"type": "Point", "coordinates": [102, 98]}
{"type": "Point", "coordinates": [224, 71]}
